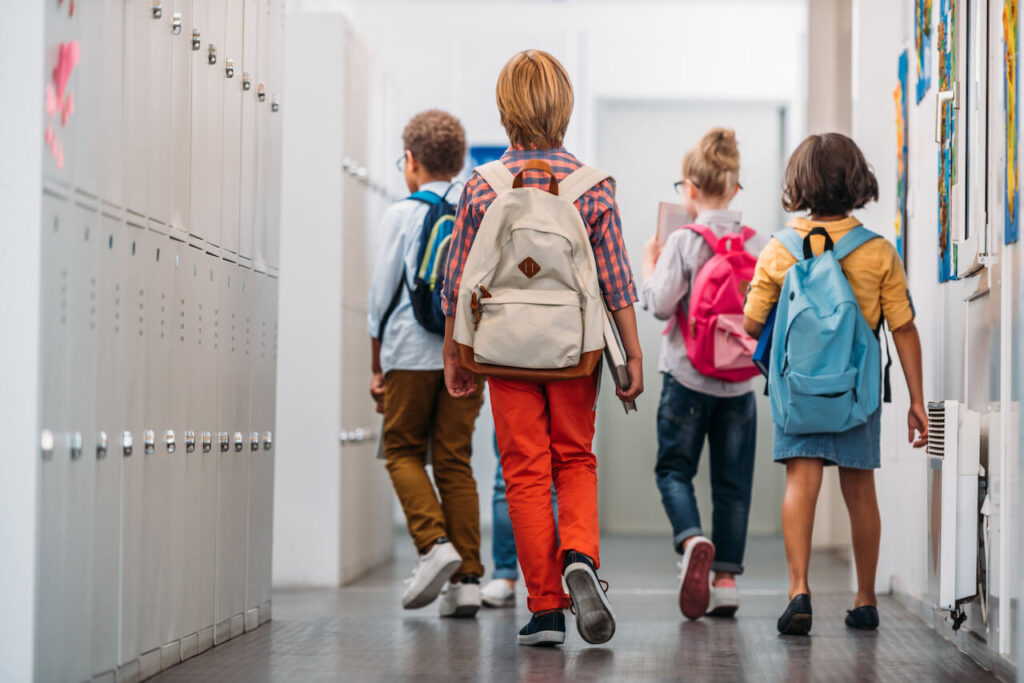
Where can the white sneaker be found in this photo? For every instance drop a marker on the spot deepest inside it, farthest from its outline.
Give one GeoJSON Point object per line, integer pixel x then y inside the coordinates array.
{"type": "Point", "coordinates": [725, 600]}
{"type": "Point", "coordinates": [498, 593]}
{"type": "Point", "coordinates": [433, 570]}
{"type": "Point", "coordinates": [460, 600]}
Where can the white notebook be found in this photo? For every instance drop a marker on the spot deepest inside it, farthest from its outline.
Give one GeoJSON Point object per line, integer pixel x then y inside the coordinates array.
{"type": "Point", "coordinates": [615, 355]}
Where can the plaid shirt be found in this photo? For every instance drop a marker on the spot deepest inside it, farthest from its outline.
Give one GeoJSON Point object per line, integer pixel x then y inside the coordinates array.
{"type": "Point", "coordinates": [597, 207]}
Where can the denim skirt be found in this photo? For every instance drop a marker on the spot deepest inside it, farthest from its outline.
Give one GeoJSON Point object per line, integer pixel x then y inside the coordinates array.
{"type": "Point", "coordinates": [859, 448]}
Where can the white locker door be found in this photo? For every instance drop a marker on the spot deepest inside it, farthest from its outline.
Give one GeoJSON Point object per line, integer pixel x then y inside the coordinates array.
{"type": "Point", "coordinates": [182, 60]}
{"type": "Point", "coordinates": [88, 150]}
{"type": "Point", "coordinates": [249, 166]}
{"type": "Point", "coordinates": [110, 96]}
{"type": "Point", "coordinates": [271, 409]}
{"type": "Point", "coordinates": [133, 493]}
{"type": "Point", "coordinates": [260, 482]}
{"type": "Point", "coordinates": [207, 120]}
{"type": "Point", "coordinates": [108, 462]}
{"type": "Point", "coordinates": [208, 330]}
{"type": "Point", "coordinates": [159, 110]}
{"type": "Point", "coordinates": [272, 195]}
{"type": "Point", "coordinates": [52, 633]}
{"type": "Point", "coordinates": [231, 128]}
{"type": "Point", "coordinates": [140, 56]}
{"type": "Point", "coordinates": [63, 68]}
{"type": "Point", "coordinates": [83, 291]}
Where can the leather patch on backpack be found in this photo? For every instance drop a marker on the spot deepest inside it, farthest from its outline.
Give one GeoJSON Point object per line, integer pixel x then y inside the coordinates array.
{"type": "Point", "coordinates": [529, 267]}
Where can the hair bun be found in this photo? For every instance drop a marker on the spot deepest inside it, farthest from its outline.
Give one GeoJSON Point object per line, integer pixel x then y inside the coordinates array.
{"type": "Point", "coordinates": [719, 148]}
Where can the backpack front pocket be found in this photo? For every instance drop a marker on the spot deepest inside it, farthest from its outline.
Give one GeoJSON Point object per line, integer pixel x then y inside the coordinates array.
{"type": "Point", "coordinates": [823, 403]}
{"type": "Point", "coordinates": [531, 329]}
{"type": "Point", "coordinates": [733, 347]}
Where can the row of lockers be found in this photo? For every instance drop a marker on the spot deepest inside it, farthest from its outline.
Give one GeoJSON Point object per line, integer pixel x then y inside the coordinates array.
{"type": "Point", "coordinates": [169, 110]}
{"type": "Point", "coordinates": [158, 384]}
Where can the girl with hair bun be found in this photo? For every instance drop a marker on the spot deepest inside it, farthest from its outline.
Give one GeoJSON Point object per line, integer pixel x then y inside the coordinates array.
{"type": "Point", "coordinates": [699, 400]}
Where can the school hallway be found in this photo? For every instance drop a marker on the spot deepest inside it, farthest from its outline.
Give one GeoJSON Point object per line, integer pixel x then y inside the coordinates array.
{"type": "Point", "coordinates": [360, 632]}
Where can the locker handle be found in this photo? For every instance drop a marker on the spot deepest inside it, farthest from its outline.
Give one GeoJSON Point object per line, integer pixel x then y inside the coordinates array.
{"type": "Point", "coordinates": [207, 442]}
{"type": "Point", "coordinates": [274, 104]}
{"type": "Point", "coordinates": [149, 442]}
{"type": "Point", "coordinates": [190, 442]}
{"type": "Point", "coordinates": [158, 9]}
{"type": "Point", "coordinates": [225, 442]}
{"type": "Point", "coordinates": [46, 444]}
{"type": "Point", "coordinates": [261, 92]}
{"type": "Point", "coordinates": [254, 441]}
{"type": "Point", "coordinates": [169, 440]}
{"type": "Point", "coordinates": [268, 440]}
{"type": "Point", "coordinates": [238, 442]}
{"type": "Point", "coordinates": [196, 40]}
{"type": "Point", "coordinates": [101, 445]}
{"type": "Point", "coordinates": [176, 23]}
{"type": "Point", "coordinates": [76, 445]}
{"type": "Point", "coordinates": [246, 81]}
{"type": "Point", "coordinates": [941, 98]}
{"type": "Point", "coordinates": [211, 56]}
{"type": "Point", "coordinates": [229, 68]}
{"type": "Point", "coordinates": [127, 443]}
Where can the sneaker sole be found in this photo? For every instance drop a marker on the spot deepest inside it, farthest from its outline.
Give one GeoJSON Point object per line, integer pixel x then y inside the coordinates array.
{"type": "Point", "coordinates": [724, 611]}
{"type": "Point", "coordinates": [496, 604]}
{"type": "Point", "coordinates": [694, 591]}
{"type": "Point", "coordinates": [433, 589]}
{"type": "Point", "coordinates": [594, 619]}
{"type": "Point", "coordinates": [463, 612]}
{"type": "Point", "coordinates": [543, 638]}
{"type": "Point", "coordinates": [799, 625]}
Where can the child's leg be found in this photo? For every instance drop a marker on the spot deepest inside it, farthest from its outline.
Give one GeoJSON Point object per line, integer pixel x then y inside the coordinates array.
{"type": "Point", "coordinates": [732, 440]}
{"type": "Point", "coordinates": [503, 543]}
{"type": "Point", "coordinates": [408, 403]}
{"type": "Point", "coordinates": [803, 481]}
{"type": "Point", "coordinates": [682, 426]}
{"type": "Point", "coordinates": [858, 488]}
{"type": "Point", "coordinates": [574, 465]}
{"type": "Point", "coordinates": [452, 449]}
{"type": "Point", "coordinates": [521, 423]}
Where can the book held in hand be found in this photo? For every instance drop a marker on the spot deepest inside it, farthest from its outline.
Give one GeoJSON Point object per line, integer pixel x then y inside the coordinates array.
{"type": "Point", "coordinates": [615, 356]}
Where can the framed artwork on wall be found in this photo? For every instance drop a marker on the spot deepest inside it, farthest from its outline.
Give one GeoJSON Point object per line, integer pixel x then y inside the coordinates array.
{"type": "Point", "coordinates": [947, 49]}
{"type": "Point", "coordinates": [1011, 36]}
{"type": "Point", "coordinates": [923, 46]}
{"type": "Point", "coordinates": [900, 98]}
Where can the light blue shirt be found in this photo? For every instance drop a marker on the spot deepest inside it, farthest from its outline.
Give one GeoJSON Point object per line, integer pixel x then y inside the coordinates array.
{"type": "Point", "coordinates": [406, 344]}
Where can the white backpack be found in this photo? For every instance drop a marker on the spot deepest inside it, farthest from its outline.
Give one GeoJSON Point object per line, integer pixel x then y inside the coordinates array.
{"type": "Point", "coordinates": [529, 304]}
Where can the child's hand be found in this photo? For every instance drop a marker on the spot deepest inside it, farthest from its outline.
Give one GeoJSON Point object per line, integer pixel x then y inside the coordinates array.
{"type": "Point", "coordinates": [377, 391]}
{"type": "Point", "coordinates": [635, 368]}
{"type": "Point", "coordinates": [917, 420]}
{"type": "Point", "coordinates": [652, 251]}
{"type": "Point", "coordinates": [460, 382]}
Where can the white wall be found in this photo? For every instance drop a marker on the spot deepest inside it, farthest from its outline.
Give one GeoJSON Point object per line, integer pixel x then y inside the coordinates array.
{"type": "Point", "coordinates": [21, 71]}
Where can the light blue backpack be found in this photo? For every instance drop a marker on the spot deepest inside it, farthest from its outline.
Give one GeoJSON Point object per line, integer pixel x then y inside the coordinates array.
{"type": "Point", "coordinates": [825, 359]}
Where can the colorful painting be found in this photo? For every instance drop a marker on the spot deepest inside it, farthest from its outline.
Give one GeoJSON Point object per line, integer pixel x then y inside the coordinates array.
{"type": "Point", "coordinates": [923, 45]}
{"type": "Point", "coordinates": [947, 150]}
{"type": "Point", "coordinates": [1011, 35]}
{"type": "Point", "coordinates": [900, 98]}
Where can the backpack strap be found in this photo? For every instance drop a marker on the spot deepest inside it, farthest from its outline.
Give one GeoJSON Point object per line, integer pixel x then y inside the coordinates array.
{"type": "Point", "coordinates": [497, 175]}
{"type": "Point", "coordinates": [577, 183]}
{"type": "Point", "coordinates": [426, 196]}
{"type": "Point", "coordinates": [791, 240]}
{"type": "Point", "coordinates": [852, 240]}
{"type": "Point", "coordinates": [705, 232]}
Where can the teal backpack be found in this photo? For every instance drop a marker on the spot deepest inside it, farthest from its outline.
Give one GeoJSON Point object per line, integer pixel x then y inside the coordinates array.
{"type": "Point", "coordinates": [825, 364]}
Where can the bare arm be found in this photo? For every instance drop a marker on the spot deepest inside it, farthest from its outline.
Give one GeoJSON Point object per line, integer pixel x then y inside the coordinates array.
{"type": "Point", "coordinates": [625, 321]}
{"type": "Point", "coordinates": [752, 327]}
{"type": "Point", "coordinates": [377, 381]}
{"type": "Point", "coordinates": [908, 346]}
{"type": "Point", "coordinates": [460, 382]}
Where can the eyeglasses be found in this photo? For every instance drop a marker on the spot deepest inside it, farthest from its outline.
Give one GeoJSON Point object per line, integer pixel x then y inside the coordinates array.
{"type": "Point", "coordinates": [678, 185]}
{"type": "Point", "coordinates": [400, 163]}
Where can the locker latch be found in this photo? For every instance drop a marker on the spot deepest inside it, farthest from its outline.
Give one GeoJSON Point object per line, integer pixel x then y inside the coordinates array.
{"type": "Point", "coordinates": [127, 443]}
{"type": "Point", "coordinates": [211, 54]}
{"type": "Point", "coordinates": [176, 23]}
{"type": "Point", "coordinates": [207, 442]}
{"type": "Point", "coordinates": [246, 81]}
{"type": "Point", "coordinates": [225, 442]}
{"type": "Point", "coordinates": [261, 92]}
{"type": "Point", "coordinates": [101, 445]}
{"type": "Point", "coordinates": [46, 444]}
{"type": "Point", "coordinates": [274, 104]}
{"type": "Point", "coordinates": [149, 442]}
{"type": "Point", "coordinates": [254, 441]}
{"type": "Point", "coordinates": [190, 442]}
{"type": "Point", "coordinates": [169, 440]}
{"type": "Point", "coordinates": [229, 68]}
{"type": "Point", "coordinates": [238, 442]}
{"type": "Point", "coordinates": [76, 445]}
{"type": "Point", "coordinates": [268, 440]}
{"type": "Point", "coordinates": [158, 9]}
{"type": "Point", "coordinates": [196, 41]}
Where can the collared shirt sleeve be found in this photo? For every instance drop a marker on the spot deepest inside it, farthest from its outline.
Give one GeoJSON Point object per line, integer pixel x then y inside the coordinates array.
{"type": "Point", "coordinates": [613, 269]}
{"type": "Point", "coordinates": [769, 274]}
{"type": "Point", "coordinates": [897, 306]}
{"type": "Point", "coordinates": [467, 221]}
{"type": "Point", "coordinates": [388, 267]}
{"type": "Point", "coordinates": [662, 293]}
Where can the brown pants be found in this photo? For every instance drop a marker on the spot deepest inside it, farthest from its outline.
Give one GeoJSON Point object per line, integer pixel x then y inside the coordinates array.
{"type": "Point", "coordinates": [418, 407]}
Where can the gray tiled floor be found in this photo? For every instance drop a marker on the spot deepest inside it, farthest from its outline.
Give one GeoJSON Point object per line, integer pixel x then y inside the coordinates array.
{"type": "Point", "coordinates": [360, 633]}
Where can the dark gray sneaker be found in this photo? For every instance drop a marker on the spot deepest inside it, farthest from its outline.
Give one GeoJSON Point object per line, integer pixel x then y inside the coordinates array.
{"type": "Point", "coordinates": [546, 629]}
{"type": "Point", "coordinates": [594, 618]}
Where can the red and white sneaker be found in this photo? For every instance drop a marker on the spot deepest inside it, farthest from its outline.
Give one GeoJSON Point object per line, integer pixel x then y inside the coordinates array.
{"type": "Point", "coordinates": [694, 586]}
{"type": "Point", "coordinates": [725, 599]}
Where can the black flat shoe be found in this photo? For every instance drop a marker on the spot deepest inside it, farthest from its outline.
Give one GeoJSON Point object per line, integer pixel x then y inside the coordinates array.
{"type": "Point", "coordinates": [863, 618]}
{"type": "Point", "coordinates": [796, 620]}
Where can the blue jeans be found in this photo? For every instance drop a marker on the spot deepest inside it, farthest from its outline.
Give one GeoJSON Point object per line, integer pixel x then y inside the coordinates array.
{"type": "Point", "coordinates": [685, 417]}
{"type": "Point", "coordinates": [503, 543]}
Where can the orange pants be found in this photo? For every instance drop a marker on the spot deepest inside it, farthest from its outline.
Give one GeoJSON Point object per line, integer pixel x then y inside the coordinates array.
{"type": "Point", "coordinates": [545, 434]}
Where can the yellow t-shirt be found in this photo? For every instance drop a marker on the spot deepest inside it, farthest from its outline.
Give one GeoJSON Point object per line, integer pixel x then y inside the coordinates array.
{"type": "Point", "coordinates": [874, 270]}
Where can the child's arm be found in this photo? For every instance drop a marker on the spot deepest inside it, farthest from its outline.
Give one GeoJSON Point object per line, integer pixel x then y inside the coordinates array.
{"type": "Point", "coordinates": [908, 346]}
{"type": "Point", "coordinates": [666, 276]}
{"type": "Point", "coordinates": [388, 271]}
{"type": "Point", "coordinates": [460, 382]}
{"type": "Point", "coordinates": [377, 381]}
{"type": "Point", "coordinates": [625, 321]}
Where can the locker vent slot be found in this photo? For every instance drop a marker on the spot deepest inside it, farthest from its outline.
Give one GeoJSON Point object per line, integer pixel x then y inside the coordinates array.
{"type": "Point", "coordinates": [937, 429]}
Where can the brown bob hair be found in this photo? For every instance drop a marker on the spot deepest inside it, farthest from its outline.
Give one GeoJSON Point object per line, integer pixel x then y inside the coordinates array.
{"type": "Point", "coordinates": [535, 100]}
{"type": "Point", "coordinates": [436, 140]}
{"type": "Point", "coordinates": [828, 176]}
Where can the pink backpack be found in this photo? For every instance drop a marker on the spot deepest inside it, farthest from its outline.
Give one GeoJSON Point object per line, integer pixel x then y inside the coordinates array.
{"type": "Point", "coordinates": [716, 342]}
